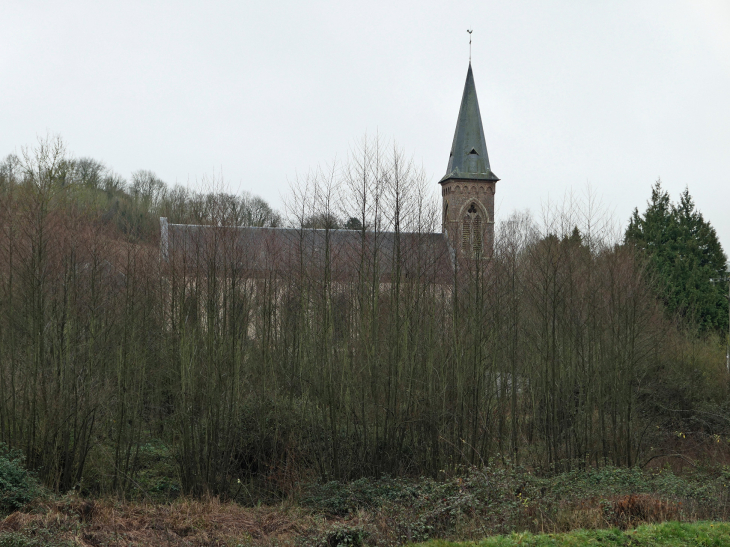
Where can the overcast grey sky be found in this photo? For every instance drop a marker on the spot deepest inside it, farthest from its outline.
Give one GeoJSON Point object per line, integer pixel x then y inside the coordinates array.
{"type": "Point", "coordinates": [614, 94]}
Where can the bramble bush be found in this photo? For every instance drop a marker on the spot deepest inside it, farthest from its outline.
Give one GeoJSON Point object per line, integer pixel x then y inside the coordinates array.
{"type": "Point", "coordinates": [17, 485]}
{"type": "Point", "coordinates": [481, 502]}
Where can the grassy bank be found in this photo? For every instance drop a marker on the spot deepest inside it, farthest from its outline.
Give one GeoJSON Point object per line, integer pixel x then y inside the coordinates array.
{"type": "Point", "coordinates": [669, 534]}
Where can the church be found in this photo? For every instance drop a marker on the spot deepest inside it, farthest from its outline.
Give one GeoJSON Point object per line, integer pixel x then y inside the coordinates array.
{"type": "Point", "coordinates": [467, 191]}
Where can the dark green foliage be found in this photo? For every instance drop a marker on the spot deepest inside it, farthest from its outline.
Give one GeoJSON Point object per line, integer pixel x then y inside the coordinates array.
{"type": "Point", "coordinates": [322, 222]}
{"type": "Point", "coordinates": [339, 499]}
{"type": "Point", "coordinates": [343, 536]}
{"type": "Point", "coordinates": [353, 223]}
{"type": "Point", "coordinates": [156, 474]}
{"type": "Point", "coordinates": [41, 539]}
{"type": "Point", "coordinates": [684, 255]}
{"type": "Point", "coordinates": [17, 486]}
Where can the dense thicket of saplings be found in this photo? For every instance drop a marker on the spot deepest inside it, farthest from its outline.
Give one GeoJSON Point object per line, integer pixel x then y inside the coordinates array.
{"type": "Point", "coordinates": [554, 354]}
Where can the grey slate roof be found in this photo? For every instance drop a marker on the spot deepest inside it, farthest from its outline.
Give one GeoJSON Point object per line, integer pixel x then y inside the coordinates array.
{"type": "Point", "coordinates": [469, 159]}
{"type": "Point", "coordinates": [261, 252]}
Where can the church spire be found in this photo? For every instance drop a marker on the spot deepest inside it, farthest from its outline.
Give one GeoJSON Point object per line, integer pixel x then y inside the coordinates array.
{"type": "Point", "coordinates": [469, 159]}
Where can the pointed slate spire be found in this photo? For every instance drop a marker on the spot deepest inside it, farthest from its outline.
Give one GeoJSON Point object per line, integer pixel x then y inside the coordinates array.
{"type": "Point", "coordinates": [469, 159]}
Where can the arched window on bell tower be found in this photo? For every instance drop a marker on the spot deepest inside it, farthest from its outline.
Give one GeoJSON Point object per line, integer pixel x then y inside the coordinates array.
{"type": "Point", "coordinates": [471, 233]}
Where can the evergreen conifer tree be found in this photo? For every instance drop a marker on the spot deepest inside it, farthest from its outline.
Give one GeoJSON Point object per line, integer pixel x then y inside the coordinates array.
{"type": "Point", "coordinates": [685, 255]}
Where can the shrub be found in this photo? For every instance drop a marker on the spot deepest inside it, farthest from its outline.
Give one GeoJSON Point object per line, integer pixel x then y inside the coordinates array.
{"type": "Point", "coordinates": [17, 539]}
{"type": "Point", "coordinates": [17, 485]}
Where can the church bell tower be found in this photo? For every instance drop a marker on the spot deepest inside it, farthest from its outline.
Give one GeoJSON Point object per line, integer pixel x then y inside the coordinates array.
{"type": "Point", "coordinates": [468, 187]}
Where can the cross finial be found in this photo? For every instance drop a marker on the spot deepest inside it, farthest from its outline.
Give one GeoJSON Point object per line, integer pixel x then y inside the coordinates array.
{"type": "Point", "coordinates": [469, 31]}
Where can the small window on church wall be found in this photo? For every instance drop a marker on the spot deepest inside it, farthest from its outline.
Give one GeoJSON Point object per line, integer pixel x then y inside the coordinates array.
{"type": "Point", "coordinates": [473, 152]}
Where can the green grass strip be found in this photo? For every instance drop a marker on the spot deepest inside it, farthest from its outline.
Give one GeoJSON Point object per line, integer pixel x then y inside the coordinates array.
{"type": "Point", "coordinates": [668, 534]}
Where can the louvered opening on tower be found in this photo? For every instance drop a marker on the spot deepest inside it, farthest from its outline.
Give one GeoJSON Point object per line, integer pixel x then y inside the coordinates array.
{"type": "Point", "coordinates": [477, 235]}
{"type": "Point", "coordinates": [472, 243]}
{"type": "Point", "coordinates": [466, 234]}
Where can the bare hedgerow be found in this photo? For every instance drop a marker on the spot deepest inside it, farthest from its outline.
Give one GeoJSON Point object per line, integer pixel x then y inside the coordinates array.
{"type": "Point", "coordinates": [347, 348]}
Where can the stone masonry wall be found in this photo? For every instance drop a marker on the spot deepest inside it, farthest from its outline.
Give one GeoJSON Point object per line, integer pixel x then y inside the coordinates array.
{"type": "Point", "coordinates": [456, 197]}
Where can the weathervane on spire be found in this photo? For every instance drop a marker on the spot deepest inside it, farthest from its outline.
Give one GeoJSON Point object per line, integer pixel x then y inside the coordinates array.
{"type": "Point", "coordinates": [469, 31]}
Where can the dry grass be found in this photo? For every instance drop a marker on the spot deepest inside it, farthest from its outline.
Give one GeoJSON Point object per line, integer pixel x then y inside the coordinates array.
{"type": "Point", "coordinates": [209, 522]}
{"type": "Point", "coordinates": [618, 511]}
{"type": "Point", "coordinates": [184, 522]}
